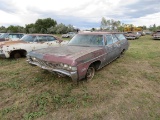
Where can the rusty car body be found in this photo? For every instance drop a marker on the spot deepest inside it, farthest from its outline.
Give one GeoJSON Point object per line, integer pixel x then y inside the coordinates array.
{"type": "Point", "coordinates": [27, 43]}
{"type": "Point", "coordinates": [85, 53]}
{"type": "Point", "coordinates": [156, 35]}
{"type": "Point", "coordinates": [11, 36]}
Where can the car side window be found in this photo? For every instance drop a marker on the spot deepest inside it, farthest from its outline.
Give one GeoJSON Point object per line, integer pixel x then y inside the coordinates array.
{"type": "Point", "coordinates": [109, 40]}
{"type": "Point", "coordinates": [120, 36]}
{"type": "Point", "coordinates": [13, 36]}
{"type": "Point", "coordinates": [21, 35]}
{"type": "Point", "coordinates": [51, 38]}
{"type": "Point", "coordinates": [114, 38]}
{"type": "Point", "coordinates": [41, 39]}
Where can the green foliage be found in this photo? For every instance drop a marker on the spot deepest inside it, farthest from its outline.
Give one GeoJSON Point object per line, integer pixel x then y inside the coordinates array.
{"type": "Point", "coordinates": [3, 29]}
{"type": "Point", "coordinates": [45, 26]}
{"type": "Point", "coordinates": [41, 25]}
{"type": "Point", "coordinates": [30, 28]}
{"type": "Point", "coordinates": [110, 24]}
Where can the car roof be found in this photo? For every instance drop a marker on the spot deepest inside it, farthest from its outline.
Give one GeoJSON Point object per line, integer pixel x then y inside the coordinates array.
{"type": "Point", "coordinates": [12, 33]}
{"type": "Point", "coordinates": [40, 34]}
{"type": "Point", "coordinates": [97, 33]}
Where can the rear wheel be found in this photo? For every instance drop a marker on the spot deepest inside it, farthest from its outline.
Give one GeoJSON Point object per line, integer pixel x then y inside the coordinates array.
{"type": "Point", "coordinates": [90, 73]}
{"type": "Point", "coordinates": [122, 53]}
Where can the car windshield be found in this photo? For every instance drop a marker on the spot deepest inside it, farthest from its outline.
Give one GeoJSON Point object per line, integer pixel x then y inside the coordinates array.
{"type": "Point", "coordinates": [28, 38]}
{"type": "Point", "coordinates": [87, 40]}
{"type": "Point", "coordinates": [4, 35]}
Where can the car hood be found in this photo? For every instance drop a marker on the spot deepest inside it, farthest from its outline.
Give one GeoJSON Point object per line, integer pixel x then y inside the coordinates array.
{"type": "Point", "coordinates": [68, 54]}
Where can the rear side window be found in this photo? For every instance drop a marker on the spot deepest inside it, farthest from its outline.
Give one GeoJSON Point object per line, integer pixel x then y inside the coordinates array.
{"type": "Point", "coordinates": [120, 36]}
{"type": "Point", "coordinates": [51, 38]}
{"type": "Point", "coordinates": [41, 39]}
{"type": "Point", "coordinates": [28, 38]}
{"type": "Point", "coordinates": [109, 39]}
{"type": "Point", "coordinates": [45, 38]}
{"type": "Point", "coordinates": [114, 38]}
{"type": "Point", "coordinates": [13, 36]}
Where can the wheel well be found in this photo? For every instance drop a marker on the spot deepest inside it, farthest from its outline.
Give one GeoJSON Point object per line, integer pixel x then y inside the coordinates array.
{"type": "Point", "coordinates": [123, 51]}
{"type": "Point", "coordinates": [23, 53]}
{"type": "Point", "coordinates": [96, 64]}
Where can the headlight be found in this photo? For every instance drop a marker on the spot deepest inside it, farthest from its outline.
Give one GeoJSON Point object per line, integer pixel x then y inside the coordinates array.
{"type": "Point", "coordinates": [67, 67]}
{"type": "Point", "coordinates": [33, 58]}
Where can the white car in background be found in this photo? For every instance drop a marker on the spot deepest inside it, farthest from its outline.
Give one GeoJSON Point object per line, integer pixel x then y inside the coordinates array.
{"type": "Point", "coordinates": [29, 42]}
{"type": "Point", "coordinates": [69, 35]}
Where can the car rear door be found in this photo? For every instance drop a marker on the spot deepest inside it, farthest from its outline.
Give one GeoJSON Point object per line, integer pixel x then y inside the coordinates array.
{"type": "Point", "coordinates": [116, 46]}
{"type": "Point", "coordinates": [122, 41]}
{"type": "Point", "coordinates": [109, 48]}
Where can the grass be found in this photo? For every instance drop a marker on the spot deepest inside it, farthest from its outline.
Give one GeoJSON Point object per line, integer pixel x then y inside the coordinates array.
{"type": "Point", "coordinates": [126, 89]}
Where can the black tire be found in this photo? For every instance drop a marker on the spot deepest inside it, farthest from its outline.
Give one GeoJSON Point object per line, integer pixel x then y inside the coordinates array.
{"type": "Point", "coordinates": [17, 55]}
{"type": "Point", "coordinates": [90, 73]}
{"type": "Point", "coordinates": [122, 53]}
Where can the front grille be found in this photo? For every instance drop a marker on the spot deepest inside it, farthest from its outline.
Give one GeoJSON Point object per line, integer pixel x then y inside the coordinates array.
{"type": "Point", "coordinates": [47, 64]}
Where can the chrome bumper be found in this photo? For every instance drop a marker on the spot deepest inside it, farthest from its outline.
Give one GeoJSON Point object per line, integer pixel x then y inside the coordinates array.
{"type": "Point", "coordinates": [60, 72]}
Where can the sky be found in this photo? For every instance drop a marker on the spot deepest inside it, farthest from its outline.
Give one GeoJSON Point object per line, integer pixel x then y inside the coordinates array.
{"type": "Point", "coordinates": [81, 14]}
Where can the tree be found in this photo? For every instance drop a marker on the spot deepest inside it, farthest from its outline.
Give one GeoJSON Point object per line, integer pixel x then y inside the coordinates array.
{"type": "Point", "coordinates": [30, 28]}
{"type": "Point", "coordinates": [93, 29]}
{"type": "Point", "coordinates": [61, 28]}
{"type": "Point", "coordinates": [70, 28]}
{"type": "Point", "coordinates": [103, 23]}
{"type": "Point", "coordinates": [41, 25]}
{"type": "Point", "coordinates": [115, 24]}
{"type": "Point", "coordinates": [110, 24]}
{"type": "Point", "coordinates": [15, 29]}
{"type": "Point", "coordinates": [3, 29]}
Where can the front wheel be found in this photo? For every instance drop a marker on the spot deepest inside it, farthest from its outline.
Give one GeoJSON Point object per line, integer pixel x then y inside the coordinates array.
{"type": "Point", "coordinates": [90, 73]}
{"type": "Point", "coordinates": [16, 55]}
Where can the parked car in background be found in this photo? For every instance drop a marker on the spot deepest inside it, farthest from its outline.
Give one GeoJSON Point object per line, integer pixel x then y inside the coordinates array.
{"type": "Point", "coordinates": [69, 35]}
{"type": "Point", "coordinates": [85, 53]}
{"type": "Point", "coordinates": [27, 43]}
{"type": "Point", "coordinates": [11, 36]}
{"type": "Point", "coordinates": [156, 35]}
{"type": "Point", "coordinates": [132, 35]}
{"type": "Point", "coordinates": [148, 33]}
{"type": "Point", "coordinates": [142, 33]}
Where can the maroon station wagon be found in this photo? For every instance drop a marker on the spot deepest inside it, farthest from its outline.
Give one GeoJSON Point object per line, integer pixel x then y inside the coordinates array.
{"type": "Point", "coordinates": [82, 56]}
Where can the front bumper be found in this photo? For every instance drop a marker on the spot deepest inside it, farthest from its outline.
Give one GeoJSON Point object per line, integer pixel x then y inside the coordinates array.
{"type": "Point", "coordinates": [156, 37]}
{"type": "Point", "coordinates": [2, 55]}
{"type": "Point", "coordinates": [61, 72]}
